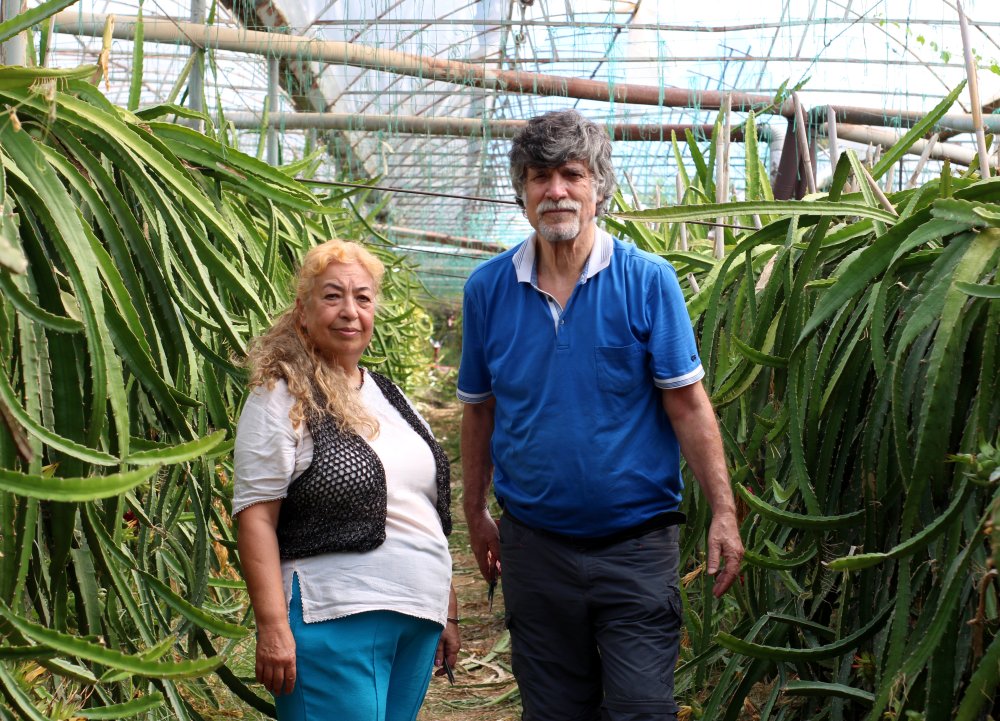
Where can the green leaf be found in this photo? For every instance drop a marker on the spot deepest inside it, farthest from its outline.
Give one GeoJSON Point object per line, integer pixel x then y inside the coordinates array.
{"type": "Point", "coordinates": [912, 544]}
{"type": "Point", "coordinates": [29, 18]}
{"type": "Point", "coordinates": [797, 655]}
{"type": "Point", "coordinates": [124, 710]}
{"type": "Point", "coordinates": [75, 646]}
{"type": "Point", "coordinates": [53, 488]}
{"type": "Point", "coordinates": [797, 520]}
{"type": "Point", "coordinates": [77, 450]}
{"type": "Point", "coordinates": [192, 613]}
{"type": "Point", "coordinates": [823, 690]}
{"type": "Point", "coordinates": [918, 131]}
{"type": "Point", "coordinates": [978, 290]}
{"type": "Point", "coordinates": [784, 208]}
{"type": "Point", "coordinates": [177, 454]}
{"type": "Point", "coordinates": [18, 698]}
{"type": "Point", "coordinates": [759, 357]}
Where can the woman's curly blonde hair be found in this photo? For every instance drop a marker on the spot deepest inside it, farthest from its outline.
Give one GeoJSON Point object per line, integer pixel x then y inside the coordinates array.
{"type": "Point", "coordinates": [285, 351]}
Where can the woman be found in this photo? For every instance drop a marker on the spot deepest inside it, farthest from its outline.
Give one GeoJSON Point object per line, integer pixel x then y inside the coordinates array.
{"type": "Point", "coordinates": [343, 505]}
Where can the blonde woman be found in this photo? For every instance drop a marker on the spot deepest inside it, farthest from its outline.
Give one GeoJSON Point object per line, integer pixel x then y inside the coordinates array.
{"type": "Point", "coordinates": [342, 500]}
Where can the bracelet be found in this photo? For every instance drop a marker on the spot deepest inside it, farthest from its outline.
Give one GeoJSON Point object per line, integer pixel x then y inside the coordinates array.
{"type": "Point", "coordinates": [454, 620]}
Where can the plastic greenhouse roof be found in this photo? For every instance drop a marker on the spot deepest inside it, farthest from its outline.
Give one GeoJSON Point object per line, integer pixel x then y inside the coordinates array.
{"type": "Point", "coordinates": [878, 54]}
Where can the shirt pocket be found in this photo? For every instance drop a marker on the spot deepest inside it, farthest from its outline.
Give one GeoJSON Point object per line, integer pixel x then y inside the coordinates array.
{"type": "Point", "coordinates": [620, 369]}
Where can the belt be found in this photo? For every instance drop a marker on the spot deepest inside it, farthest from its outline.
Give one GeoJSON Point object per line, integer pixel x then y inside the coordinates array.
{"type": "Point", "coordinates": [656, 523]}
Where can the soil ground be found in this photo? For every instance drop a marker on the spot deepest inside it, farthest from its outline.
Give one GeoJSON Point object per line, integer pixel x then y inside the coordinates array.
{"type": "Point", "coordinates": [484, 688]}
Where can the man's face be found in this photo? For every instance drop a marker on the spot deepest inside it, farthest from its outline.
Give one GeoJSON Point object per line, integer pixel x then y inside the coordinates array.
{"type": "Point", "coordinates": [561, 201]}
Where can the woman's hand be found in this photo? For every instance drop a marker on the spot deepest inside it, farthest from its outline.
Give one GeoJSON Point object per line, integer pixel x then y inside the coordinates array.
{"type": "Point", "coordinates": [450, 641]}
{"type": "Point", "coordinates": [447, 648]}
{"type": "Point", "coordinates": [276, 658]}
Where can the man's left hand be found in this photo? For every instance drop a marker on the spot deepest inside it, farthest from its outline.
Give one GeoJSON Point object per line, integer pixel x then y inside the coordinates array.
{"type": "Point", "coordinates": [724, 543]}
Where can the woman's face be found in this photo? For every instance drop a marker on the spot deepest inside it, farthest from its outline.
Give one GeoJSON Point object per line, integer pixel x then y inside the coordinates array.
{"type": "Point", "coordinates": [338, 314]}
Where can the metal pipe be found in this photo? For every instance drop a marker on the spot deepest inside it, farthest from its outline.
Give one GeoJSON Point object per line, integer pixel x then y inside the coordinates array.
{"type": "Point", "coordinates": [886, 138]}
{"type": "Point", "coordinates": [888, 118]}
{"type": "Point", "coordinates": [784, 24]}
{"type": "Point", "coordinates": [459, 127]}
{"type": "Point", "coordinates": [272, 104]}
{"type": "Point", "coordinates": [196, 80]}
{"type": "Point", "coordinates": [977, 109]}
{"type": "Point", "coordinates": [300, 49]}
{"type": "Point", "coordinates": [13, 50]}
{"type": "Point", "coordinates": [455, 241]}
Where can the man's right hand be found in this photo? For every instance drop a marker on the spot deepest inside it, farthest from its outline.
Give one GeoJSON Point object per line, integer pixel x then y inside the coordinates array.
{"type": "Point", "coordinates": [485, 539]}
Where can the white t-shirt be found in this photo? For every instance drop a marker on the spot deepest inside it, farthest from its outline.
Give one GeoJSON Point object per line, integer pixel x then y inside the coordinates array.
{"type": "Point", "coordinates": [410, 573]}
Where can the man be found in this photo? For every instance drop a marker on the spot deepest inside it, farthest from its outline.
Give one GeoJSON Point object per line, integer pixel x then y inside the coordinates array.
{"type": "Point", "coordinates": [580, 373]}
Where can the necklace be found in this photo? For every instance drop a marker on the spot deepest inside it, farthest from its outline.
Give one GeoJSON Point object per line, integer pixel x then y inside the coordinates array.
{"type": "Point", "coordinates": [362, 372]}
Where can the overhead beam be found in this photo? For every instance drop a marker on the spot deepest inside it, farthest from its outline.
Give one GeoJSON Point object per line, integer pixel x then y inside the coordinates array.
{"type": "Point", "coordinates": [886, 138]}
{"type": "Point", "coordinates": [299, 48]}
{"type": "Point", "coordinates": [888, 118]}
{"type": "Point", "coordinates": [458, 127]}
{"type": "Point", "coordinates": [455, 241]}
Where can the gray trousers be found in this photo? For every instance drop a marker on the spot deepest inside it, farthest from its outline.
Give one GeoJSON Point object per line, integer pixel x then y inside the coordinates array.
{"type": "Point", "coordinates": [594, 631]}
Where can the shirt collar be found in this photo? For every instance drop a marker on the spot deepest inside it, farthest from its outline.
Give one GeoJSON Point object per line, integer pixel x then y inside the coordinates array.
{"type": "Point", "coordinates": [599, 259]}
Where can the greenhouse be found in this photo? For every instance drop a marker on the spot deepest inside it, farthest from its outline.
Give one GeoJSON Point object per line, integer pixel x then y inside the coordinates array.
{"type": "Point", "coordinates": [822, 176]}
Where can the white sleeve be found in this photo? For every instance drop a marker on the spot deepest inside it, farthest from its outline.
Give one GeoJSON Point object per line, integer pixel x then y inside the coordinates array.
{"type": "Point", "coordinates": [269, 451]}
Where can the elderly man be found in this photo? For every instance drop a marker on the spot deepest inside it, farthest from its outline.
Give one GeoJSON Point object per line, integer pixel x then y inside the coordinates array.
{"type": "Point", "coordinates": [581, 383]}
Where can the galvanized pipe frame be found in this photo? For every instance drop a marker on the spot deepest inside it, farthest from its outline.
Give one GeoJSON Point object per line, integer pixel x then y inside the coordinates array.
{"type": "Point", "coordinates": [297, 48]}
{"type": "Point", "coordinates": [302, 49]}
{"type": "Point", "coordinates": [458, 127]}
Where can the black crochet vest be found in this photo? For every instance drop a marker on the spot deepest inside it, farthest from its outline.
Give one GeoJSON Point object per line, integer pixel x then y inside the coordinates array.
{"type": "Point", "coordinates": [339, 501]}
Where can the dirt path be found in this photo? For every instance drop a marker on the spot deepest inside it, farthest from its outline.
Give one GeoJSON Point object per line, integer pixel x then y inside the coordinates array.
{"type": "Point", "coordinates": [484, 689]}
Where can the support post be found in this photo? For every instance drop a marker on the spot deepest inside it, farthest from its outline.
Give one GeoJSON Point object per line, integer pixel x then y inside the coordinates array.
{"type": "Point", "coordinates": [272, 104]}
{"type": "Point", "coordinates": [196, 80]}
{"type": "Point", "coordinates": [12, 51]}
{"type": "Point", "coordinates": [802, 138]}
{"type": "Point", "coordinates": [831, 133]}
{"type": "Point", "coordinates": [977, 108]}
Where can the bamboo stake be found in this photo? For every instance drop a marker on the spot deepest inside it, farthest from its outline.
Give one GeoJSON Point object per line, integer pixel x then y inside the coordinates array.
{"type": "Point", "coordinates": [924, 157]}
{"type": "Point", "coordinates": [802, 139]}
{"type": "Point", "coordinates": [722, 178]}
{"type": "Point", "coordinates": [883, 201]}
{"type": "Point", "coordinates": [831, 134]}
{"type": "Point", "coordinates": [977, 108]}
{"type": "Point", "coordinates": [683, 236]}
{"type": "Point", "coordinates": [635, 194]}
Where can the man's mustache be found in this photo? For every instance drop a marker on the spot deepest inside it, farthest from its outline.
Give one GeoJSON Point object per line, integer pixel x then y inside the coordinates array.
{"type": "Point", "coordinates": [548, 205]}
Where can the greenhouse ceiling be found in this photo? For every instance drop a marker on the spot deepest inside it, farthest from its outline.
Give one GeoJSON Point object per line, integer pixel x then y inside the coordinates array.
{"type": "Point", "coordinates": [419, 97]}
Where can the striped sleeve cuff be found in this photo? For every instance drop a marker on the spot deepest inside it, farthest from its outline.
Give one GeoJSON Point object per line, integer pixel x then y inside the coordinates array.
{"type": "Point", "coordinates": [473, 397]}
{"type": "Point", "coordinates": [687, 379]}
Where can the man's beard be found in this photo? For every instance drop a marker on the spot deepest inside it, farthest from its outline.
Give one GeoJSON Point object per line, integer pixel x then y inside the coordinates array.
{"type": "Point", "coordinates": [558, 232]}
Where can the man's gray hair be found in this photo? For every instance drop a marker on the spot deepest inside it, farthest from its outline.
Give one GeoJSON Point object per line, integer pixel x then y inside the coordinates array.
{"type": "Point", "coordinates": [550, 140]}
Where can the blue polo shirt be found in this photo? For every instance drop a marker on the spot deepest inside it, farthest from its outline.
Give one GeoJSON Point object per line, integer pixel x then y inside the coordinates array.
{"type": "Point", "coordinates": [581, 444]}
